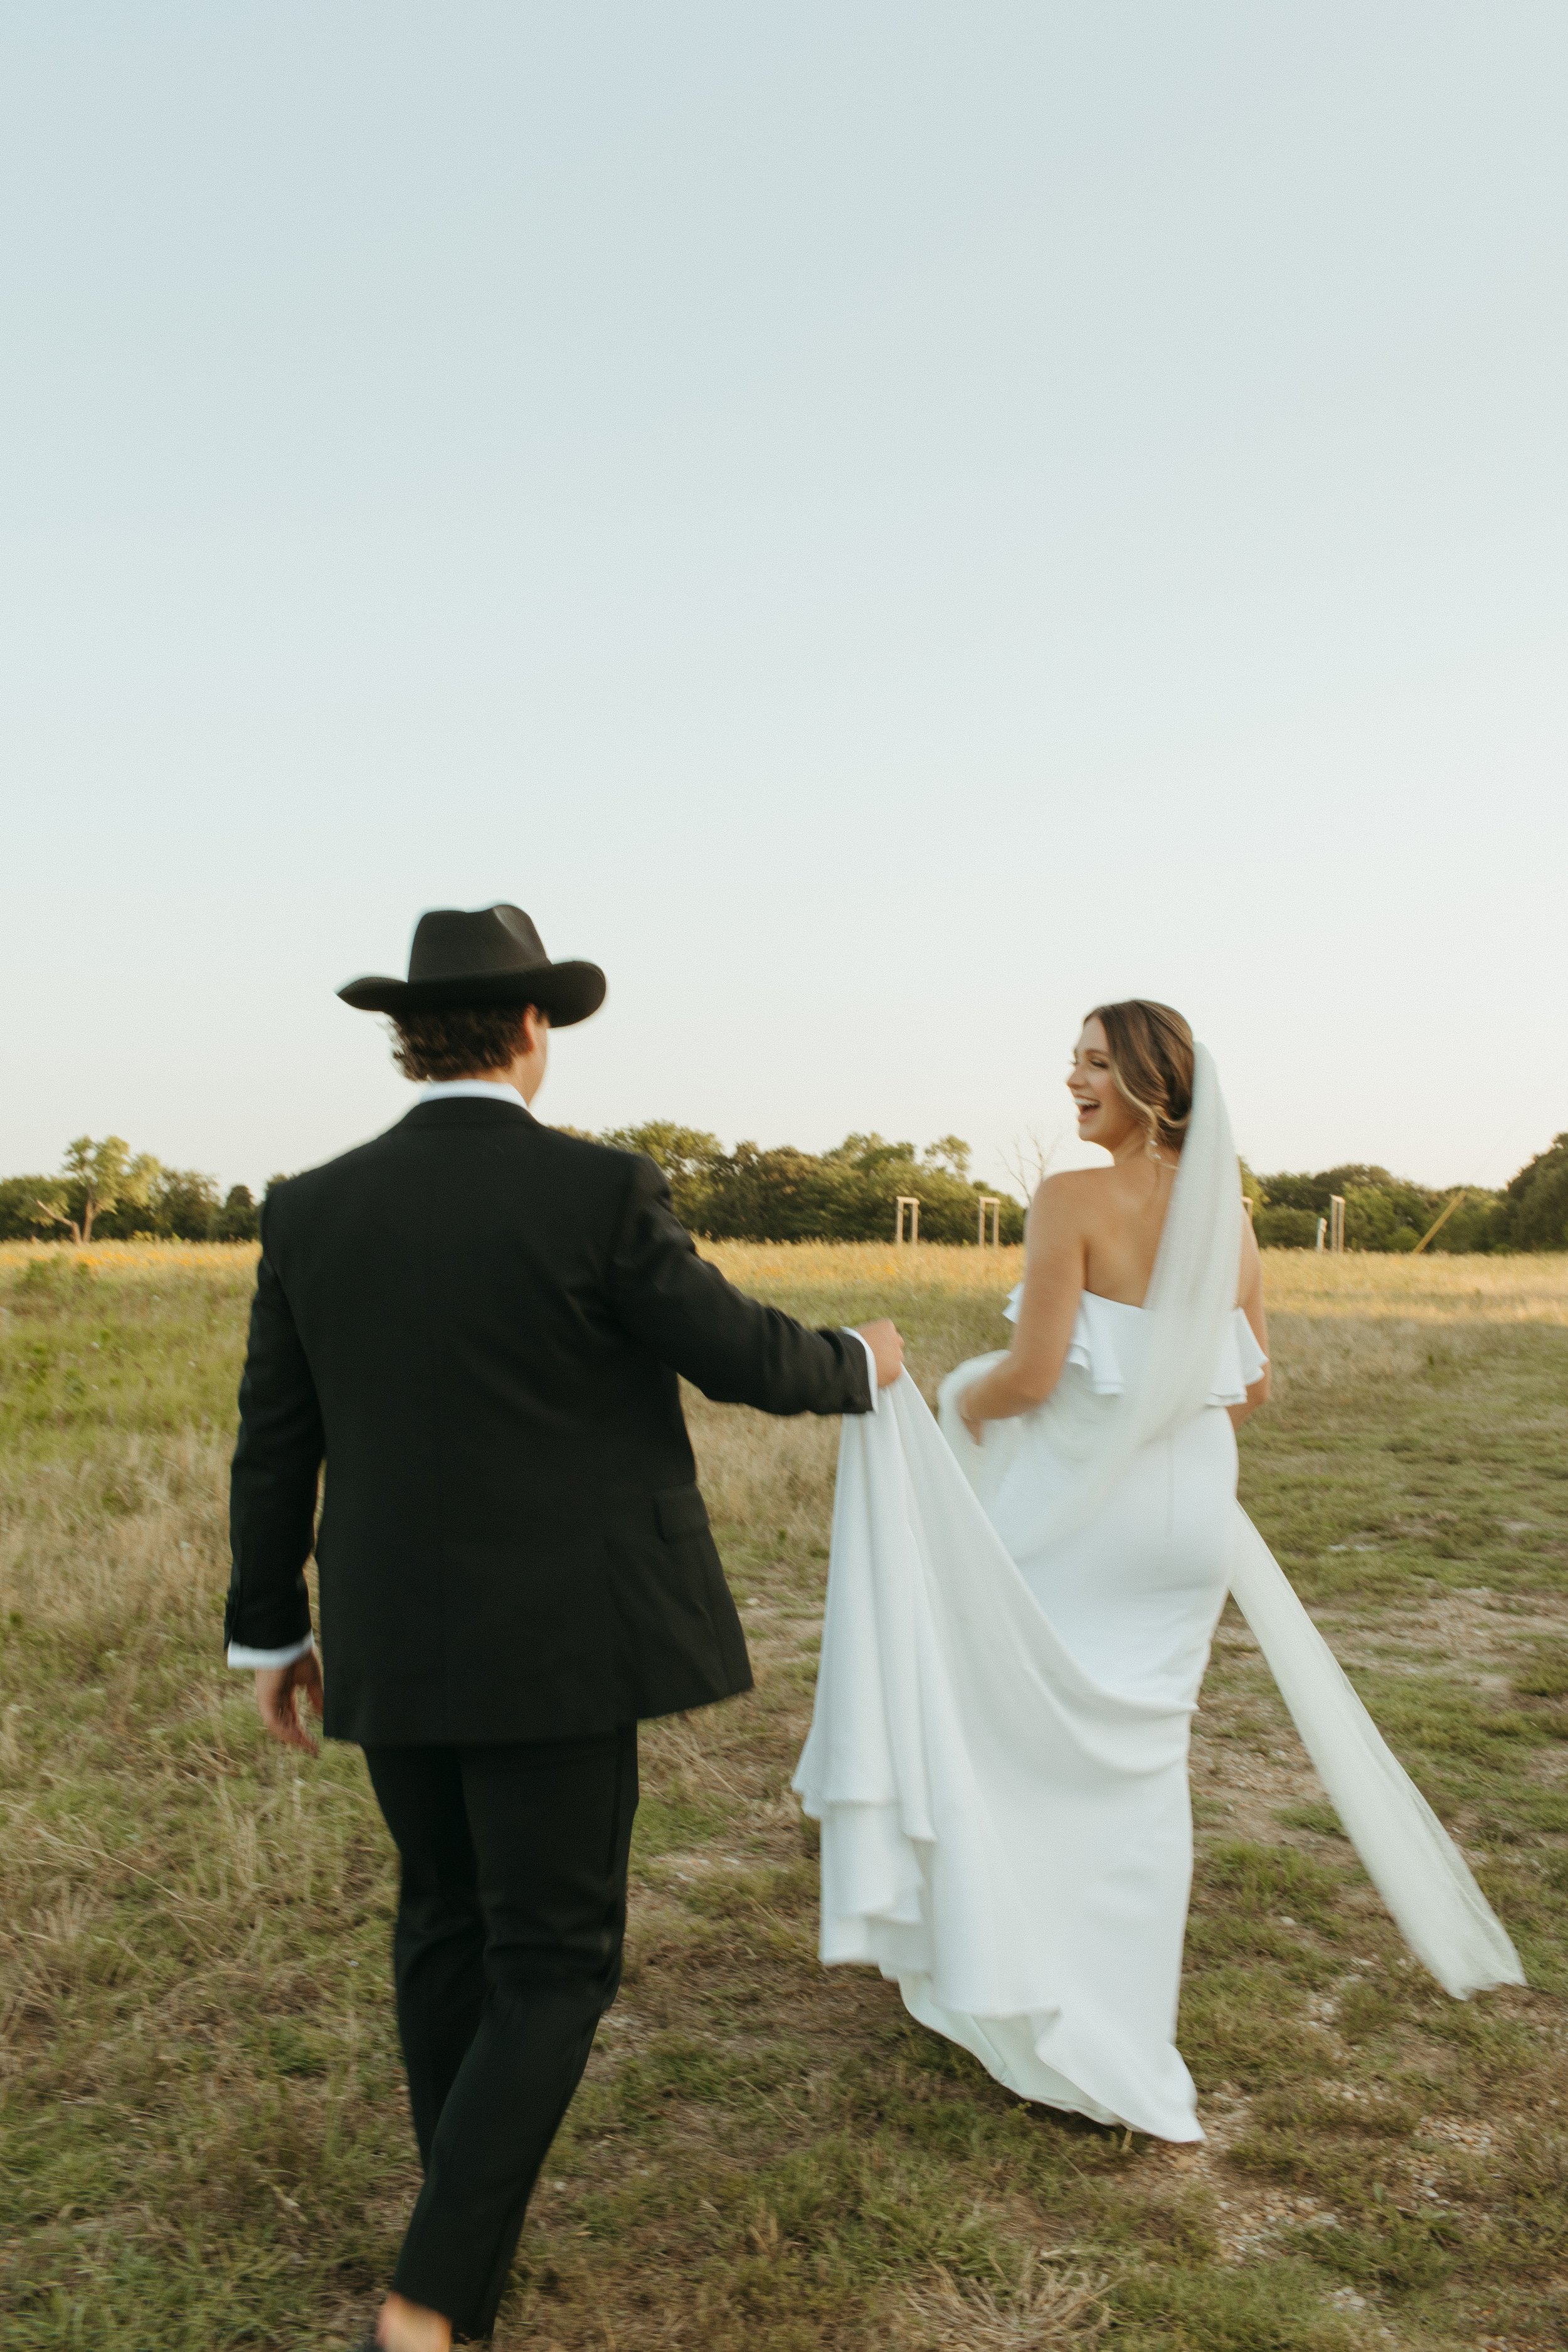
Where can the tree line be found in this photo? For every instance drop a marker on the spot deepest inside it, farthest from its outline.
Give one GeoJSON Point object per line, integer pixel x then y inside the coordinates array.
{"type": "Point", "coordinates": [1390, 1212]}
{"type": "Point", "coordinates": [105, 1190]}
{"type": "Point", "coordinates": [847, 1194]}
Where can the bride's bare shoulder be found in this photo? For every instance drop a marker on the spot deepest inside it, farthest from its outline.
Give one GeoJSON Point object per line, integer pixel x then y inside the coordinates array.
{"type": "Point", "coordinates": [1068, 1197]}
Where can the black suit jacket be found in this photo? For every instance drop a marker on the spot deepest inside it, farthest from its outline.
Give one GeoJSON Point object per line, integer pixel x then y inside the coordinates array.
{"type": "Point", "coordinates": [476, 1322]}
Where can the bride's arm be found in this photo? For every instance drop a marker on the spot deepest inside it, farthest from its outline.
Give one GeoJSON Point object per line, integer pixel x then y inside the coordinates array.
{"type": "Point", "coordinates": [1250, 1301]}
{"type": "Point", "coordinates": [1053, 1280]}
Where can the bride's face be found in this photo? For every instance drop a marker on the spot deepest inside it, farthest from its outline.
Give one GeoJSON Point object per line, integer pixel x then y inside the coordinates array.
{"type": "Point", "coordinates": [1104, 1115]}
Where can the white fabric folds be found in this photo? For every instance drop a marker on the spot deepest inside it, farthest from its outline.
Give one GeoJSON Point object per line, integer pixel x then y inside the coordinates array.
{"type": "Point", "coordinates": [1105, 1331]}
{"type": "Point", "coordinates": [1015, 1637]}
{"type": "Point", "coordinates": [987, 1834]}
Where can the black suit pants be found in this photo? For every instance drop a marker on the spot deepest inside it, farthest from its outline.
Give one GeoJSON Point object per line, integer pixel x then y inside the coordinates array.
{"type": "Point", "coordinates": [507, 1953]}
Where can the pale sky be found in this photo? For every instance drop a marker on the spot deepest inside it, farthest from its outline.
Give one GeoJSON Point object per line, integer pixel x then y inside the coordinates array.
{"type": "Point", "coordinates": [881, 524]}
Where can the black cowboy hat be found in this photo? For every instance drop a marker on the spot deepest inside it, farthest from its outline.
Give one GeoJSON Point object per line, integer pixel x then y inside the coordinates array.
{"type": "Point", "coordinates": [493, 956]}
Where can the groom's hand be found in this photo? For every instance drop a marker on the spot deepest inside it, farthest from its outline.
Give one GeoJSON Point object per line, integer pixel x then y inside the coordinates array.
{"type": "Point", "coordinates": [276, 1703]}
{"type": "Point", "coordinates": [887, 1349]}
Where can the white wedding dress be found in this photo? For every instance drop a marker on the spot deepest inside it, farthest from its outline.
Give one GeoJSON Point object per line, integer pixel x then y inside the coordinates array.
{"type": "Point", "coordinates": [1013, 1641]}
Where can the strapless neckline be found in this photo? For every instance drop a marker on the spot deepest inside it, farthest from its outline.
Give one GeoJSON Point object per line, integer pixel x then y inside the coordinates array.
{"type": "Point", "coordinates": [1100, 1337]}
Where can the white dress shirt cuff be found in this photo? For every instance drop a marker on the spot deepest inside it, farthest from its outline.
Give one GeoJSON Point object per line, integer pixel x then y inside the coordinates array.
{"type": "Point", "coordinates": [870, 1360]}
{"type": "Point", "coordinates": [239, 1655]}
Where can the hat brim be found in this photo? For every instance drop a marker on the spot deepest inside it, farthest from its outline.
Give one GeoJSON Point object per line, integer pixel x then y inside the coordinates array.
{"type": "Point", "coordinates": [564, 993]}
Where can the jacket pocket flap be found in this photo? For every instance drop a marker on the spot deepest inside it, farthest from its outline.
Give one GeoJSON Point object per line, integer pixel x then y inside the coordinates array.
{"type": "Point", "coordinates": [680, 1511]}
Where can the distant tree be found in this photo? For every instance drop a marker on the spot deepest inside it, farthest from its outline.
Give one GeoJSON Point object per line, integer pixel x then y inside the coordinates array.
{"type": "Point", "coordinates": [1296, 1191]}
{"type": "Point", "coordinates": [678, 1150]}
{"type": "Point", "coordinates": [1026, 1162]}
{"type": "Point", "coordinates": [1538, 1200]}
{"type": "Point", "coordinates": [949, 1152]}
{"type": "Point", "coordinates": [1283, 1227]}
{"type": "Point", "coordinates": [1479, 1223]}
{"type": "Point", "coordinates": [96, 1180]}
{"type": "Point", "coordinates": [239, 1220]}
{"type": "Point", "coordinates": [688, 1155]}
{"type": "Point", "coordinates": [1357, 1176]}
{"type": "Point", "coordinates": [870, 1152]}
{"type": "Point", "coordinates": [782, 1195]}
{"type": "Point", "coordinates": [1389, 1216]}
{"type": "Point", "coordinates": [1288, 1191]}
{"type": "Point", "coordinates": [179, 1205]}
{"type": "Point", "coordinates": [29, 1205]}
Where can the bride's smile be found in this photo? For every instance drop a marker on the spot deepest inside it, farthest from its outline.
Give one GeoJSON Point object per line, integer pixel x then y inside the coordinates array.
{"type": "Point", "coordinates": [1105, 1115]}
{"type": "Point", "coordinates": [1090, 1073]}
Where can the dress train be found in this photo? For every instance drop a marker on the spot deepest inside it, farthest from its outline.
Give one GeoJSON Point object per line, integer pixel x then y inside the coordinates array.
{"type": "Point", "coordinates": [1010, 1840]}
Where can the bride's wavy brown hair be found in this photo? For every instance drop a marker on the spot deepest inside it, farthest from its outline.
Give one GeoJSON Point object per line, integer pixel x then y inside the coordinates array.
{"type": "Point", "coordinates": [1151, 1061]}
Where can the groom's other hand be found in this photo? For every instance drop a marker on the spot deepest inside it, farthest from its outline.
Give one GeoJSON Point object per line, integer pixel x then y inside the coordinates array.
{"type": "Point", "coordinates": [276, 1705]}
{"type": "Point", "coordinates": [887, 1349]}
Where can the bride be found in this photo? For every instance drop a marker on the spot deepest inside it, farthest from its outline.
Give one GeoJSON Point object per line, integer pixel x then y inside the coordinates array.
{"type": "Point", "coordinates": [1018, 1621]}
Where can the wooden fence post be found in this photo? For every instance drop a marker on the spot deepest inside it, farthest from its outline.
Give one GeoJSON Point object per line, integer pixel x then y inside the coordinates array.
{"type": "Point", "coordinates": [1457, 1202]}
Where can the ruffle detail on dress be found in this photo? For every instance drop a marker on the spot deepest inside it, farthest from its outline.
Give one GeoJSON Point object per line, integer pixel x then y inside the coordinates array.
{"type": "Point", "coordinates": [1106, 1330]}
{"type": "Point", "coordinates": [1250, 1363]}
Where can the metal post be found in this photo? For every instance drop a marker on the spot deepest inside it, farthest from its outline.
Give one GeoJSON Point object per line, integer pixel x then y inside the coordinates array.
{"type": "Point", "coordinates": [907, 1201]}
{"type": "Point", "coordinates": [989, 1211]}
{"type": "Point", "coordinates": [1336, 1222]}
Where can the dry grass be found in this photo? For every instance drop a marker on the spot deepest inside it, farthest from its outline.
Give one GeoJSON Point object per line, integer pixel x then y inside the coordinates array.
{"type": "Point", "coordinates": [1430, 1288]}
{"type": "Point", "coordinates": [137, 1261]}
{"type": "Point", "coordinates": [205, 2144]}
{"type": "Point", "coordinates": [1046, 2307]}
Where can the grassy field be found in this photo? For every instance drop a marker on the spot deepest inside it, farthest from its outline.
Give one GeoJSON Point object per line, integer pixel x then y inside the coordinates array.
{"type": "Point", "coordinates": [203, 2143]}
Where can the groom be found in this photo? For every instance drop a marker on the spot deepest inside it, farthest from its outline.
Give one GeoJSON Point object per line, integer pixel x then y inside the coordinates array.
{"type": "Point", "coordinates": [477, 1323]}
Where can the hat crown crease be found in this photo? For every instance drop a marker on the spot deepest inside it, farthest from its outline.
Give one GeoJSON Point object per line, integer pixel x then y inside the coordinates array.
{"type": "Point", "coordinates": [451, 944]}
